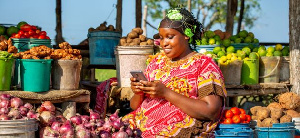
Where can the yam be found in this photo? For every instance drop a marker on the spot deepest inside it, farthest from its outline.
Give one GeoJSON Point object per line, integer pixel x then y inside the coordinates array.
{"type": "Point", "coordinates": [285, 118]}
{"type": "Point", "coordinates": [133, 44]}
{"type": "Point", "coordinates": [150, 42]}
{"type": "Point", "coordinates": [274, 105]}
{"type": "Point", "coordinates": [254, 117]}
{"type": "Point", "coordinates": [297, 109]}
{"type": "Point", "coordinates": [276, 113]}
{"type": "Point", "coordinates": [289, 100]}
{"type": "Point", "coordinates": [254, 109]}
{"type": "Point", "coordinates": [268, 122]}
{"type": "Point", "coordinates": [137, 41]}
{"type": "Point", "coordinates": [137, 30]}
{"type": "Point", "coordinates": [102, 27]}
{"type": "Point", "coordinates": [110, 28]}
{"type": "Point", "coordinates": [259, 123]}
{"type": "Point", "coordinates": [263, 113]}
{"type": "Point", "coordinates": [132, 35]}
{"type": "Point", "coordinates": [91, 29]}
{"type": "Point", "coordinates": [292, 113]}
{"type": "Point", "coordinates": [122, 41]}
{"type": "Point", "coordinates": [129, 40]}
{"type": "Point", "coordinates": [143, 44]}
{"type": "Point", "coordinates": [142, 38]}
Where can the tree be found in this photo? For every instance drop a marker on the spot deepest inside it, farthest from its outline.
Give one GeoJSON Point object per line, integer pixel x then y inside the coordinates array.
{"type": "Point", "coordinates": [209, 13]}
{"type": "Point", "coordinates": [59, 37]}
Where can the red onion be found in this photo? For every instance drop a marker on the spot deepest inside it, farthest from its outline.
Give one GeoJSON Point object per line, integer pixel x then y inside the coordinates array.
{"type": "Point", "coordinates": [107, 125]}
{"type": "Point", "coordinates": [99, 123]}
{"type": "Point", "coordinates": [89, 125]}
{"type": "Point", "coordinates": [56, 125]}
{"type": "Point", "coordinates": [120, 134]}
{"type": "Point", "coordinates": [105, 134]}
{"type": "Point", "coordinates": [23, 110]}
{"type": "Point", "coordinates": [5, 96]}
{"type": "Point", "coordinates": [48, 132]}
{"type": "Point", "coordinates": [115, 115]}
{"type": "Point", "coordinates": [4, 117]}
{"type": "Point", "coordinates": [4, 111]}
{"type": "Point", "coordinates": [48, 106]}
{"type": "Point", "coordinates": [46, 118]}
{"type": "Point", "coordinates": [16, 102]}
{"type": "Point", "coordinates": [14, 113]}
{"type": "Point", "coordinates": [65, 127]}
{"type": "Point", "coordinates": [116, 124]}
{"type": "Point", "coordinates": [78, 127]}
{"type": "Point", "coordinates": [94, 116]}
{"type": "Point", "coordinates": [41, 132]}
{"type": "Point", "coordinates": [129, 131]}
{"type": "Point", "coordinates": [4, 103]}
{"type": "Point", "coordinates": [85, 118]}
{"type": "Point", "coordinates": [32, 114]}
{"type": "Point", "coordinates": [76, 120]}
{"type": "Point", "coordinates": [28, 106]}
{"type": "Point", "coordinates": [68, 134]}
{"type": "Point", "coordinates": [61, 118]}
{"type": "Point", "coordinates": [83, 133]}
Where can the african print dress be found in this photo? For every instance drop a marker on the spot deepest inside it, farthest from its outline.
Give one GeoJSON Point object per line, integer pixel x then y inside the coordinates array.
{"type": "Point", "coordinates": [195, 77]}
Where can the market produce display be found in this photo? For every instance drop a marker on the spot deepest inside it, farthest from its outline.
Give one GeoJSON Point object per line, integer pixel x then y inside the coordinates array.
{"type": "Point", "coordinates": [103, 27]}
{"type": "Point", "coordinates": [235, 115]}
{"type": "Point", "coordinates": [135, 38]}
{"type": "Point", "coordinates": [6, 45]}
{"type": "Point", "coordinates": [287, 107]}
{"type": "Point", "coordinates": [213, 37]}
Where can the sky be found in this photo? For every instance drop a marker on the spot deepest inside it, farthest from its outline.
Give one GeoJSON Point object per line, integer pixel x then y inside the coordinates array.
{"type": "Point", "coordinates": [79, 15]}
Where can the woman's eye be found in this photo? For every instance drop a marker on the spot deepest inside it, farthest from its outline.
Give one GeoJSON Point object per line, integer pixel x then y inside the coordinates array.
{"type": "Point", "coordinates": [170, 37]}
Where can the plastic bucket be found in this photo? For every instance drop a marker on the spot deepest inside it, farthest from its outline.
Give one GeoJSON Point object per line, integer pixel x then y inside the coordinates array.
{"type": "Point", "coordinates": [269, 69]}
{"type": "Point", "coordinates": [66, 74]}
{"type": "Point", "coordinates": [35, 74]}
{"type": "Point", "coordinates": [250, 72]}
{"type": "Point", "coordinates": [18, 128]}
{"type": "Point", "coordinates": [239, 46]}
{"type": "Point", "coordinates": [101, 47]}
{"type": "Point", "coordinates": [200, 48]}
{"type": "Point", "coordinates": [232, 72]}
{"type": "Point", "coordinates": [278, 130]}
{"type": "Point", "coordinates": [234, 130]}
{"type": "Point", "coordinates": [6, 70]}
{"type": "Point", "coordinates": [26, 43]}
{"type": "Point", "coordinates": [130, 58]}
{"type": "Point", "coordinates": [285, 70]}
{"type": "Point", "coordinates": [296, 120]}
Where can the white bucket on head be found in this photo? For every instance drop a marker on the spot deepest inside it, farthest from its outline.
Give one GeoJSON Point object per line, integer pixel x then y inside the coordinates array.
{"type": "Point", "coordinates": [18, 128]}
{"type": "Point", "coordinates": [130, 58]}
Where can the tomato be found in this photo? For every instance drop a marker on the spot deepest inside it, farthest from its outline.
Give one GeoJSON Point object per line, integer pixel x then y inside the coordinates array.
{"type": "Point", "coordinates": [31, 32]}
{"type": "Point", "coordinates": [243, 117]}
{"type": "Point", "coordinates": [17, 36]}
{"type": "Point", "coordinates": [229, 114]}
{"type": "Point", "coordinates": [37, 31]}
{"type": "Point", "coordinates": [236, 119]}
{"type": "Point", "coordinates": [43, 33]}
{"type": "Point", "coordinates": [228, 121]}
{"type": "Point", "coordinates": [25, 27]}
{"type": "Point", "coordinates": [248, 118]}
{"type": "Point", "coordinates": [42, 37]}
{"type": "Point", "coordinates": [242, 111]}
{"type": "Point", "coordinates": [21, 32]}
{"type": "Point", "coordinates": [33, 27]}
{"type": "Point", "coordinates": [13, 35]}
{"type": "Point", "coordinates": [35, 36]}
{"type": "Point", "coordinates": [235, 110]}
{"type": "Point", "coordinates": [22, 36]}
{"type": "Point", "coordinates": [47, 37]}
{"type": "Point", "coordinates": [26, 34]}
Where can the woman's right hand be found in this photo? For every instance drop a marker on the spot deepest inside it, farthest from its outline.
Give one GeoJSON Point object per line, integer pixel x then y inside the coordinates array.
{"type": "Point", "coordinates": [135, 86]}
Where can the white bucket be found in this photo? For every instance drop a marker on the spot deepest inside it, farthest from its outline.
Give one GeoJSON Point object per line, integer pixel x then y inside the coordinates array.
{"type": "Point", "coordinates": [130, 58]}
{"type": "Point", "coordinates": [18, 128]}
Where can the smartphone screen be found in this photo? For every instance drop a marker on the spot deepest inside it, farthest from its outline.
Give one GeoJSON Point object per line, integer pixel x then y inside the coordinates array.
{"type": "Point", "coordinates": [139, 75]}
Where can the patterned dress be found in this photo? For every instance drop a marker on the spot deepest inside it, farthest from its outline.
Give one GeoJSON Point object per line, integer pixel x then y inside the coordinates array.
{"type": "Point", "coordinates": [195, 77]}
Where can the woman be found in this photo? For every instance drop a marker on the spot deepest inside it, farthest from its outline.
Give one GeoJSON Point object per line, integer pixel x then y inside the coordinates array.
{"type": "Point", "coordinates": [185, 94]}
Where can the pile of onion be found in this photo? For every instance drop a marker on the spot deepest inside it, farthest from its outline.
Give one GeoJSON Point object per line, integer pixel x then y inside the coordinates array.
{"type": "Point", "coordinates": [12, 108]}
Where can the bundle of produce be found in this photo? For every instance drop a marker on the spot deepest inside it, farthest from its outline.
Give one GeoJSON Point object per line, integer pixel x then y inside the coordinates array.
{"type": "Point", "coordinates": [25, 30]}
{"type": "Point", "coordinates": [66, 52]}
{"type": "Point", "coordinates": [284, 110]}
{"type": "Point", "coordinates": [103, 27]}
{"type": "Point", "coordinates": [135, 38]}
{"type": "Point", "coordinates": [12, 108]}
{"type": "Point", "coordinates": [6, 45]}
{"type": "Point", "coordinates": [235, 116]}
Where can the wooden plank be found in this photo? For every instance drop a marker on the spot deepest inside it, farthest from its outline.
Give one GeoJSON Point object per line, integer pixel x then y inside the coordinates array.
{"type": "Point", "coordinates": [263, 91]}
{"type": "Point", "coordinates": [84, 98]}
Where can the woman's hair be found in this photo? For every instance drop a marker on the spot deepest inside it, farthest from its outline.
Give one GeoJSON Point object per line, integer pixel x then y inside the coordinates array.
{"type": "Point", "coordinates": [183, 21]}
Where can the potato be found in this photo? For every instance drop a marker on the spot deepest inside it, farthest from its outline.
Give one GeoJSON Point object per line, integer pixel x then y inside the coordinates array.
{"type": "Point", "coordinates": [129, 40]}
{"type": "Point", "coordinates": [110, 28]}
{"type": "Point", "coordinates": [137, 41]}
{"type": "Point", "coordinates": [254, 117]}
{"type": "Point", "coordinates": [133, 44]}
{"type": "Point", "coordinates": [142, 38]}
{"type": "Point", "coordinates": [259, 123]}
{"type": "Point", "coordinates": [137, 30]}
{"type": "Point", "coordinates": [102, 27]}
{"type": "Point", "coordinates": [285, 118]}
{"type": "Point", "coordinates": [122, 41]}
{"type": "Point", "coordinates": [263, 113]}
{"type": "Point", "coordinates": [289, 100]}
{"type": "Point", "coordinates": [91, 29]}
{"type": "Point", "coordinates": [276, 113]}
{"type": "Point", "coordinates": [268, 122]}
{"type": "Point", "coordinates": [274, 105]}
{"type": "Point", "coordinates": [132, 35]}
{"type": "Point", "coordinates": [254, 109]}
{"type": "Point", "coordinates": [150, 42]}
{"type": "Point", "coordinates": [292, 113]}
{"type": "Point", "coordinates": [143, 43]}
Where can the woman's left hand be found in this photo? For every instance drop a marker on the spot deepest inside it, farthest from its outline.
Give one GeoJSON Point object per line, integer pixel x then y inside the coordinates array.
{"type": "Point", "coordinates": [155, 89]}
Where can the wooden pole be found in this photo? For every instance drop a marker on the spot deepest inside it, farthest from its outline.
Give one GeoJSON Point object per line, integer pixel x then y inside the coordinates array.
{"type": "Point", "coordinates": [231, 11]}
{"type": "Point", "coordinates": [119, 16]}
{"type": "Point", "coordinates": [294, 39]}
{"type": "Point", "coordinates": [59, 37]}
{"type": "Point", "coordinates": [189, 5]}
{"type": "Point", "coordinates": [138, 13]}
{"type": "Point", "coordinates": [145, 20]}
{"type": "Point", "coordinates": [241, 16]}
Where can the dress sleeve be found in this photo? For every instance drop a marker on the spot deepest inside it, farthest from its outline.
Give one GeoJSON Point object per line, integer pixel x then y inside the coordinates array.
{"type": "Point", "coordinates": [210, 79]}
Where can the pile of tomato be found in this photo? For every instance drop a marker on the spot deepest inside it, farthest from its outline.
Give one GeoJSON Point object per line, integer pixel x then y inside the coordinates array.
{"type": "Point", "coordinates": [30, 31]}
{"type": "Point", "coordinates": [235, 115]}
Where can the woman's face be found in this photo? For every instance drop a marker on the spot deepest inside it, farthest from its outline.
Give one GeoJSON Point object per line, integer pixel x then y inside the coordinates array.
{"type": "Point", "coordinates": [174, 44]}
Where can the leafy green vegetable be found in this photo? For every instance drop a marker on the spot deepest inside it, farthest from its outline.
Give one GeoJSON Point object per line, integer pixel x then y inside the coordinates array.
{"type": "Point", "coordinates": [5, 55]}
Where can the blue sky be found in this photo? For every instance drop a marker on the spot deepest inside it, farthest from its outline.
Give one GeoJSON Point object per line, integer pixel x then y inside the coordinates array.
{"type": "Point", "coordinates": [78, 16]}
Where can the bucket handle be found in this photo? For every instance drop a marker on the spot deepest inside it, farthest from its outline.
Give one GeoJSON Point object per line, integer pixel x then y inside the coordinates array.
{"type": "Point", "coordinates": [268, 75]}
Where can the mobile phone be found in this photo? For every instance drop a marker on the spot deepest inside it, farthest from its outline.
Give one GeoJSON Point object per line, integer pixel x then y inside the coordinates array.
{"type": "Point", "coordinates": [139, 75]}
